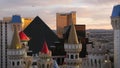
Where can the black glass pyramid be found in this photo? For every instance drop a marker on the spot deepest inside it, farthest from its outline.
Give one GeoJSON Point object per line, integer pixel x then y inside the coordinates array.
{"type": "Point", "coordinates": [39, 32]}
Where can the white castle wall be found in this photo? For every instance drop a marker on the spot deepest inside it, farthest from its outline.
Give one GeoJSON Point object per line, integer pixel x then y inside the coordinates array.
{"type": "Point", "coordinates": [96, 58]}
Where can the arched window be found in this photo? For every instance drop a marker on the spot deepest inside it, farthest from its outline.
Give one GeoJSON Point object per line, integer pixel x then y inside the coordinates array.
{"type": "Point", "coordinates": [91, 62]}
{"type": "Point", "coordinates": [24, 62]}
{"type": "Point", "coordinates": [71, 56]}
{"type": "Point", "coordinates": [67, 56]}
{"type": "Point", "coordinates": [99, 63]}
{"type": "Point", "coordinates": [13, 64]}
{"type": "Point", "coordinates": [95, 62]}
{"type": "Point", "coordinates": [18, 63]}
{"type": "Point", "coordinates": [76, 56]}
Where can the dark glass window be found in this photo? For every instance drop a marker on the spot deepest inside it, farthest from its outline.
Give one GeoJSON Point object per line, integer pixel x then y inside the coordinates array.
{"type": "Point", "coordinates": [18, 63]}
{"type": "Point", "coordinates": [76, 56]}
{"type": "Point", "coordinates": [72, 56]}
{"type": "Point", "coordinates": [13, 63]}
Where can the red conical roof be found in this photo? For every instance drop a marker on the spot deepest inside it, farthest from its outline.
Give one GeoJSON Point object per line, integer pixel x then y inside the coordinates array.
{"type": "Point", "coordinates": [23, 36]}
{"type": "Point", "coordinates": [45, 49]}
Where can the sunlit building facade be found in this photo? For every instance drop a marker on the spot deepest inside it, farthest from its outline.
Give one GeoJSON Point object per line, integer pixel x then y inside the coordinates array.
{"type": "Point", "coordinates": [64, 19]}
{"type": "Point", "coordinates": [26, 22]}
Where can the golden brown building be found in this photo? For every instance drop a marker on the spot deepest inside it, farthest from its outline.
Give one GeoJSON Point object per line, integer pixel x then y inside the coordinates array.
{"type": "Point", "coordinates": [26, 22]}
{"type": "Point", "coordinates": [64, 19]}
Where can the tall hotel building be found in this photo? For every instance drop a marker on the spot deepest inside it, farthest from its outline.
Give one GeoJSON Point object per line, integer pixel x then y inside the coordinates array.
{"type": "Point", "coordinates": [5, 40]}
{"type": "Point", "coordinates": [64, 19]}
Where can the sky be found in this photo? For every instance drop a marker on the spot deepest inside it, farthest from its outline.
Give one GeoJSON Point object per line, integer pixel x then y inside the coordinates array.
{"type": "Point", "coordinates": [95, 14]}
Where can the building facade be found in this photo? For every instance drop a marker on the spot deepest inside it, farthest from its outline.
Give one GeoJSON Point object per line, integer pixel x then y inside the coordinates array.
{"type": "Point", "coordinates": [64, 19]}
{"type": "Point", "coordinates": [5, 40]}
{"type": "Point", "coordinates": [97, 57]}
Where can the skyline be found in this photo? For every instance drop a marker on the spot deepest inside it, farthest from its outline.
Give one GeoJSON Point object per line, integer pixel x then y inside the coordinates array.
{"type": "Point", "coordinates": [95, 14]}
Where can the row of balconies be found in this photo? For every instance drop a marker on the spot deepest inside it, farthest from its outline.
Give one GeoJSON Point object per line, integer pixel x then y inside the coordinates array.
{"type": "Point", "coordinates": [73, 47]}
{"type": "Point", "coordinates": [16, 52]}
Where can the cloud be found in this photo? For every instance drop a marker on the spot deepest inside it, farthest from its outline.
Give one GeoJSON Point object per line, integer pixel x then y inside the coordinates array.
{"type": "Point", "coordinates": [90, 12]}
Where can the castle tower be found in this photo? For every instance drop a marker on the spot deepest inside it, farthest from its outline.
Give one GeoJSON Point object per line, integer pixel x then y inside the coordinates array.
{"type": "Point", "coordinates": [16, 52]}
{"type": "Point", "coordinates": [24, 41]}
{"type": "Point", "coordinates": [45, 58]}
{"type": "Point", "coordinates": [115, 21]}
{"type": "Point", "coordinates": [73, 48]}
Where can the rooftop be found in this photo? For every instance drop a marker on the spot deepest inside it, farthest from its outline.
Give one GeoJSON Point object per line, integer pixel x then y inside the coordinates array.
{"type": "Point", "coordinates": [23, 36]}
{"type": "Point", "coordinates": [116, 11]}
{"type": "Point", "coordinates": [16, 19]}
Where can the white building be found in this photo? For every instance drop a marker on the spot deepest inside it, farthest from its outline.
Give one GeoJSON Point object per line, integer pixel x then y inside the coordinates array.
{"type": "Point", "coordinates": [5, 40]}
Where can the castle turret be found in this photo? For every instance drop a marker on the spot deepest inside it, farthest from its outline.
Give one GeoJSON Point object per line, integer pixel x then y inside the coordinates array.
{"type": "Point", "coordinates": [73, 48]}
{"type": "Point", "coordinates": [115, 21]}
{"type": "Point", "coordinates": [17, 54]}
{"type": "Point", "coordinates": [24, 39]}
{"type": "Point", "coordinates": [45, 58]}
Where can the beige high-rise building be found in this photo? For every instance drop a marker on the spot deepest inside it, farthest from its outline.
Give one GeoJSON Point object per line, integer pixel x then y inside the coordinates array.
{"type": "Point", "coordinates": [26, 22]}
{"type": "Point", "coordinates": [64, 19]}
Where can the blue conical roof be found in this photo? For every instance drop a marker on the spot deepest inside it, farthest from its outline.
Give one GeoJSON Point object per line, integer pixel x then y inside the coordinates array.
{"type": "Point", "coordinates": [116, 11]}
{"type": "Point", "coordinates": [16, 19]}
